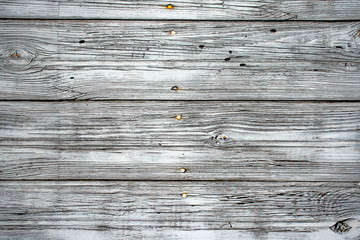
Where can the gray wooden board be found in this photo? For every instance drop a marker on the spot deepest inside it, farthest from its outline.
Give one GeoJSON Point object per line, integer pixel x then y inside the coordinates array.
{"type": "Point", "coordinates": [143, 210]}
{"type": "Point", "coordinates": [278, 141]}
{"type": "Point", "coordinates": [141, 60]}
{"type": "Point", "coordinates": [186, 10]}
{"type": "Point", "coordinates": [253, 169]}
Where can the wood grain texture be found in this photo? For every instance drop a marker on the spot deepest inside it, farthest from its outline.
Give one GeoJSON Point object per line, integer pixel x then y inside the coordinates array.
{"type": "Point", "coordinates": [277, 141]}
{"type": "Point", "coordinates": [184, 10]}
{"type": "Point", "coordinates": [195, 162]}
{"type": "Point", "coordinates": [143, 210]}
{"type": "Point", "coordinates": [52, 60]}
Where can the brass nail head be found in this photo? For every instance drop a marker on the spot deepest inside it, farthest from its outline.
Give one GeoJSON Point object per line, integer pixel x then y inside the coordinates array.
{"type": "Point", "coordinates": [178, 117]}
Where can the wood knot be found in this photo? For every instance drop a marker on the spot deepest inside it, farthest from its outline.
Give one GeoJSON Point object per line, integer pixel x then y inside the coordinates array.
{"type": "Point", "coordinates": [175, 88]}
{"type": "Point", "coordinates": [15, 55]}
{"type": "Point", "coordinates": [220, 138]}
{"type": "Point", "coordinates": [172, 32]}
{"type": "Point", "coordinates": [183, 170]}
{"type": "Point", "coordinates": [343, 226]}
{"type": "Point", "coordinates": [178, 117]}
{"type": "Point", "coordinates": [184, 195]}
{"type": "Point", "coordinates": [18, 59]}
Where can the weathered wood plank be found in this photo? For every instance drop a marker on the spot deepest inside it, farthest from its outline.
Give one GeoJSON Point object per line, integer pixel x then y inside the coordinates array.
{"type": "Point", "coordinates": [213, 140]}
{"type": "Point", "coordinates": [186, 10]}
{"type": "Point", "coordinates": [212, 60]}
{"type": "Point", "coordinates": [138, 210]}
{"type": "Point", "coordinates": [289, 163]}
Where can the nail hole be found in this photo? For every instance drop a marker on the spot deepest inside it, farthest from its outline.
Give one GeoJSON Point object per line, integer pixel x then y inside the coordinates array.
{"type": "Point", "coordinates": [169, 6]}
{"type": "Point", "coordinates": [230, 52]}
{"type": "Point", "coordinates": [182, 170]}
{"type": "Point", "coordinates": [227, 59]}
{"type": "Point", "coordinates": [273, 30]}
{"type": "Point", "coordinates": [71, 77]}
{"type": "Point", "coordinates": [175, 88]}
{"type": "Point", "coordinates": [201, 46]}
{"type": "Point", "coordinates": [242, 65]}
{"type": "Point", "coordinates": [82, 41]}
{"type": "Point", "coordinates": [184, 195]}
{"type": "Point", "coordinates": [339, 47]}
{"type": "Point", "coordinates": [172, 32]}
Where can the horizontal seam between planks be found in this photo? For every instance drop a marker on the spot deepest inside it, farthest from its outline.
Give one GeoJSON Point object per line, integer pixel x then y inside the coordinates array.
{"type": "Point", "coordinates": [172, 20]}
{"type": "Point", "coordinates": [179, 100]}
{"type": "Point", "coordinates": [172, 180]}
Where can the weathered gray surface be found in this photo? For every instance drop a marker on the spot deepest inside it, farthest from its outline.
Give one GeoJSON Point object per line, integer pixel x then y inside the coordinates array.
{"type": "Point", "coordinates": [141, 60]}
{"type": "Point", "coordinates": [143, 140]}
{"type": "Point", "coordinates": [253, 167]}
{"type": "Point", "coordinates": [185, 10]}
{"type": "Point", "coordinates": [211, 210]}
